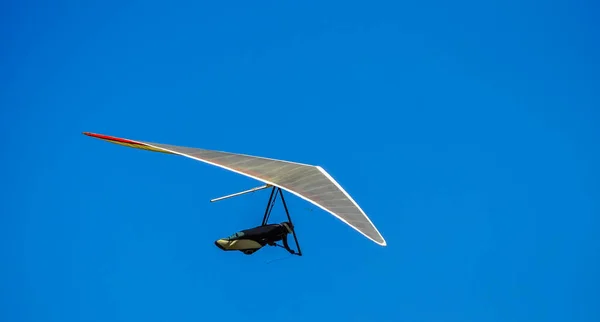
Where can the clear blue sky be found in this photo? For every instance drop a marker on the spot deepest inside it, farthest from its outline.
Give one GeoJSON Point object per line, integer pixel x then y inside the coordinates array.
{"type": "Point", "coordinates": [467, 130]}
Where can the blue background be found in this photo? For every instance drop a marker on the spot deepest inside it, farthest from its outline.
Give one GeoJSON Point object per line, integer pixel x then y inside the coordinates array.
{"type": "Point", "coordinates": [467, 130]}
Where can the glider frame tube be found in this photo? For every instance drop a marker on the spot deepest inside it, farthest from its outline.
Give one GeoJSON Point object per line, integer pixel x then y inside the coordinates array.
{"type": "Point", "coordinates": [242, 193]}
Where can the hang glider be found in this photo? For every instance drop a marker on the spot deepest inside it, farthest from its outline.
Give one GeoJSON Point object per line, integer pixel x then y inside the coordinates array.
{"type": "Point", "coordinates": [309, 182]}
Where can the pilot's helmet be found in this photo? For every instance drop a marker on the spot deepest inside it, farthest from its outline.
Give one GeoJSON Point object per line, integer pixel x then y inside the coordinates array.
{"type": "Point", "coordinates": [289, 226]}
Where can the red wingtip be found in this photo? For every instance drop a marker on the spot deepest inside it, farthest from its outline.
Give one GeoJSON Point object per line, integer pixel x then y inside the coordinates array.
{"type": "Point", "coordinates": [110, 138]}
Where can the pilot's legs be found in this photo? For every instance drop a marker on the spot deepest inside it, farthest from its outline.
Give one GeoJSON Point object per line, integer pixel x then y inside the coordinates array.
{"type": "Point", "coordinates": [246, 246]}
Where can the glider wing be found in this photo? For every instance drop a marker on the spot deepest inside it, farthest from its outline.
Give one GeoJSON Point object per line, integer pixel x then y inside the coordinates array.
{"type": "Point", "coordinates": [309, 182]}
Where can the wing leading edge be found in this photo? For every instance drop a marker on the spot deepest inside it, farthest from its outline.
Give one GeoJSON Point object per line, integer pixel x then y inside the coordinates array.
{"type": "Point", "coordinates": [309, 182]}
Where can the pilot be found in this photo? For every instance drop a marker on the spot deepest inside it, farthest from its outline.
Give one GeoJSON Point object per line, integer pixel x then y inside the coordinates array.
{"type": "Point", "coordinates": [248, 241]}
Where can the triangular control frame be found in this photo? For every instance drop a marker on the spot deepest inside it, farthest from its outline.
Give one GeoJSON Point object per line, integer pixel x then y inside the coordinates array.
{"type": "Point", "coordinates": [275, 191]}
{"type": "Point", "coordinates": [272, 200]}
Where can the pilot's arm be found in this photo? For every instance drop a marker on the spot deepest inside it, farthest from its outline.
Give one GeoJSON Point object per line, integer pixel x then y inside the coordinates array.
{"type": "Point", "coordinates": [286, 246]}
